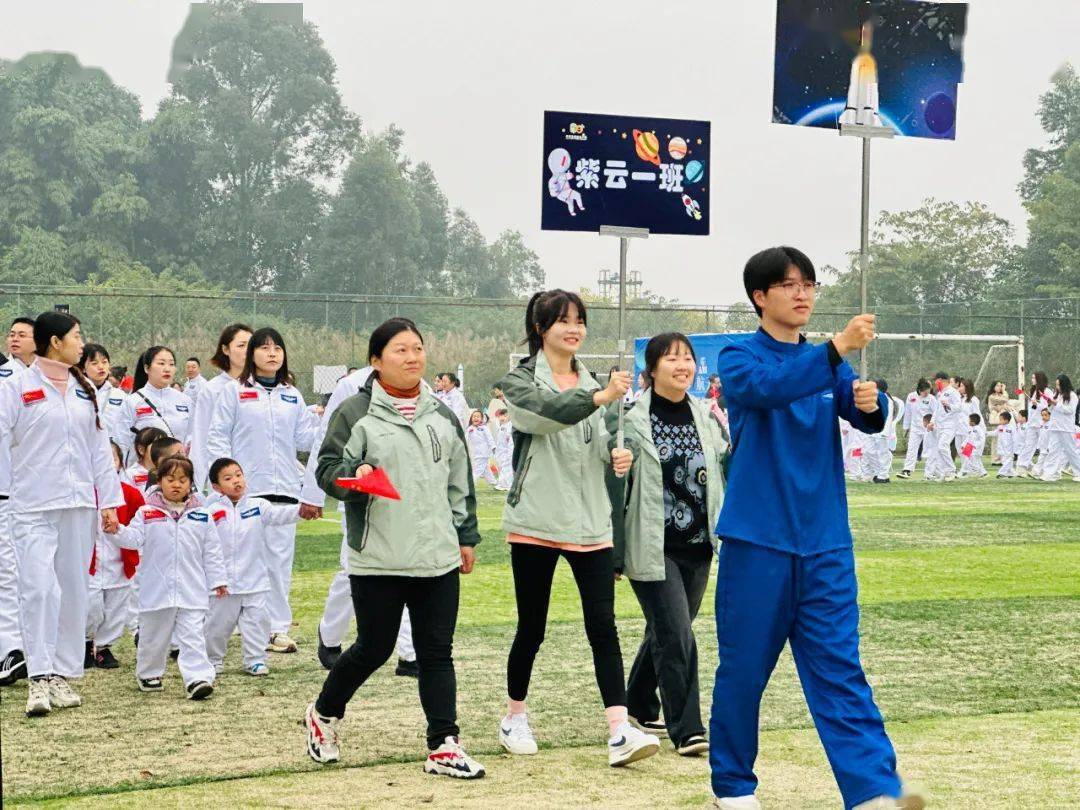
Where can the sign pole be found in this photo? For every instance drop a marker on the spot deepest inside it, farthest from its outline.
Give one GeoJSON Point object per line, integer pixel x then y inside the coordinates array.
{"type": "Point", "coordinates": [624, 235]}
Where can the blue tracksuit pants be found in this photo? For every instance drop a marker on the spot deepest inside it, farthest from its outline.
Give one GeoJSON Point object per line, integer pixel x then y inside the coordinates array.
{"type": "Point", "coordinates": [765, 598]}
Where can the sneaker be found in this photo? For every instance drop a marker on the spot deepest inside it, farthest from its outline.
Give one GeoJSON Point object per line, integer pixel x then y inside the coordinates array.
{"type": "Point", "coordinates": [516, 736]}
{"type": "Point", "coordinates": [658, 728]}
{"type": "Point", "coordinates": [258, 669]}
{"type": "Point", "coordinates": [151, 685]}
{"type": "Point", "coordinates": [322, 736]}
{"type": "Point", "coordinates": [37, 701]}
{"type": "Point", "coordinates": [61, 695]}
{"type": "Point", "coordinates": [328, 656]}
{"type": "Point", "coordinates": [881, 480]}
{"type": "Point", "coordinates": [281, 643]}
{"type": "Point", "coordinates": [904, 474]}
{"type": "Point", "coordinates": [104, 659]}
{"type": "Point", "coordinates": [12, 668]}
{"type": "Point", "coordinates": [629, 745]}
{"type": "Point", "coordinates": [905, 802]}
{"type": "Point", "coordinates": [450, 759]}
{"type": "Point", "coordinates": [692, 746]}
{"type": "Point", "coordinates": [737, 802]}
{"type": "Point", "coordinates": [88, 655]}
{"type": "Point", "coordinates": [199, 690]}
{"type": "Point", "coordinates": [407, 669]}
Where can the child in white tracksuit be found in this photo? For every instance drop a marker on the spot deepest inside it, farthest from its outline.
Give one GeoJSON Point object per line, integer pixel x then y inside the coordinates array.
{"type": "Point", "coordinates": [971, 451]}
{"type": "Point", "coordinates": [1062, 431]}
{"type": "Point", "coordinates": [481, 448]}
{"type": "Point", "coordinates": [1007, 446]}
{"type": "Point", "coordinates": [1042, 443]}
{"type": "Point", "coordinates": [504, 451]}
{"type": "Point", "coordinates": [243, 543]}
{"type": "Point", "coordinates": [929, 445]}
{"type": "Point", "coordinates": [181, 562]}
{"type": "Point", "coordinates": [1027, 442]}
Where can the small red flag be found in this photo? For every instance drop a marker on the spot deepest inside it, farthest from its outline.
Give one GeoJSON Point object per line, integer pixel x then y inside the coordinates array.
{"type": "Point", "coordinates": [969, 448]}
{"type": "Point", "coordinates": [374, 483]}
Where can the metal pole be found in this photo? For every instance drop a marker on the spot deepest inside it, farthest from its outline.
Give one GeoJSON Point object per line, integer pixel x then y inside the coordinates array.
{"type": "Point", "coordinates": [864, 244]}
{"type": "Point", "coordinates": [624, 246]}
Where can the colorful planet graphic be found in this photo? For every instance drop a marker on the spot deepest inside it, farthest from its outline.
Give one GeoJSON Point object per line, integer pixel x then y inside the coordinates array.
{"type": "Point", "coordinates": [677, 148]}
{"type": "Point", "coordinates": [695, 170]}
{"type": "Point", "coordinates": [647, 146]}
{"type": "Point", "coordinates": [940, 113]}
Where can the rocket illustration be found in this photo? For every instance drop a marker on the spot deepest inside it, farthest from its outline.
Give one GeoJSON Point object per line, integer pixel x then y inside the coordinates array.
{"type": "Point", "coordinates": [862, 100]}
{"type": "Point", "coordinates": [693, 210]}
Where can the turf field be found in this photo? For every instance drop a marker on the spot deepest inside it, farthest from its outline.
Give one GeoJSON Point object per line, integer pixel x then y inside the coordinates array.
{"type": "Point", "coordinates": [971, 639]}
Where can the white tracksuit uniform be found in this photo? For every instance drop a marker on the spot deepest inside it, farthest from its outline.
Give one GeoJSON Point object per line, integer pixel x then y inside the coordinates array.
{"type": "Point", "coordinates": [504, 456]}
{"type": "Point", "coordinates": [10, 636]}
{"type": "Point", "coordinates": [878, 447]}
{"type": "Point", "coordinates": [200, 426]}
{"type": "Point", "coordinates": [947, 423]}
{"type": "Point", "coordinates": [339, 610]}
{"type": "Point", "coordinates": [110, 405]}
{"type": "Point", "coordinates": [1062, 439]}
{"type": "Point", "coordinates": [66, 474]}
{"type": "Point", "coordinates": [110, 604]}
{"type": "Point", "coordinates": [244, 532]}
{"type": "Point", "coordinates": [192, 388]}
{"type": "Point", "coordinates": [164, 408]}
{"type": "Point", "coordinates": [967, 408]}
{"type": "Point", "coordinates": [180, 563]}
{"type": "Point", "coordinates": [1043, 447]}
{"type": "Point", "coordinates": [138, 476]}
{"type": "Point", "coordinates": [1007, 449]}
{"type": "Point", "coordinates": [455, 401]}
{"type": "Point", "coordinates": [481, 448]}
{"type": "Point", "coordinates": [1027, 443]}
{"type": "Point", "coordinates": [263, 429]}
{"type": "Point", "coordinates": [971, 464]}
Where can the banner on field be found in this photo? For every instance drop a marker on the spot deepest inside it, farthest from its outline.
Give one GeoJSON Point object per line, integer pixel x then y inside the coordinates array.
{"type": "Point", "coordinates": [625, 171]}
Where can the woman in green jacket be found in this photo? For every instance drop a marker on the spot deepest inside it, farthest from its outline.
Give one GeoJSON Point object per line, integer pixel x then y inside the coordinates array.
{"type": "Point", "coordinates": [673, 496]}
{"type": "Point", "coordinates": [405, 553]}
{"type": "Point", "coordinates": [558, 508]}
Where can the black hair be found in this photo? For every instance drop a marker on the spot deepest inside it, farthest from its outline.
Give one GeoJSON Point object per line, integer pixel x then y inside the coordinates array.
{"type": "Point", "coordinates": [993, 385]}
{"type": "Point", "coordinates": [941, 375]}
{"type": "Point", "coordinates": [145, 438]}
{"type": "Point", "coordinates": [58, 324]}
{"type": "Point", "coordinates": [387, 331]}
{"type": "Point", "coordinates": [969, 388]}
{"type": "Point", "coordinates": [228, 334]}
{"type": "Point", "coordinates": [1042, 382]}
{"type": "Point", "coordinates": [171, 464]}
{"type": "Point", "coordinates": [1006, 416]}
{"type": "Point", "coordinates": [117, 451]}
{"type": "Point", "coordinates": [92, 351]}
{"type": "Point", "coordinates": [975, 419]}
{"type": "Point", "coordinates": [159, 446]}
{"type": "Point", "coordinates": [1023, 412]}
{"type": "Point", "coordinates": [770, 266]}
{"type": "Point", "coordinates": [922, 385]}
{"type": "Point", "coordinates": [1065, 386]}
{"type": "Point", "coordinates": [260, 337]}
{"type": "Point", "coordinates": [145, 359]}
{"type": "Point", "coordinates": [22, 319]}
{"type": "Point", "coordinates": [194, 360]}
{"type": "Point", "coordinates": [882, 386]}
{"type": "Point", "coordinates": [927, 417]}
{"type": "Point", "coordinates": [451, 376]}
{"type": "Point", "coordinates": [219, 465]}
{"type": "Point", "coordinates": [660, 345]}
{"type": "Point", "coordinates": [544, 311]}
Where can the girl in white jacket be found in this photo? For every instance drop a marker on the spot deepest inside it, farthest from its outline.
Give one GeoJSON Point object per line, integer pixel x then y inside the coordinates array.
{"type": "Point", "coordinates": [154, 403]}
{"type": "Point", "coordinates": [49, 417]}
{"type": "Point", "coordinates": [1063, 430]}
{"type": "Point", "coordinates": [504, 450]}
{"type": "Point", "coordinates": [481, 447]}
{"type": "Point", "coordinates": [261, 421]}
{"type": "Point", "coordinates": [243, 532]}
{"type": "Point", "coordinates": [97, 366]}
{"type": "Point", "coordinates": [229, 357]}
{"type": "Point", "coordinates": [180, 562]}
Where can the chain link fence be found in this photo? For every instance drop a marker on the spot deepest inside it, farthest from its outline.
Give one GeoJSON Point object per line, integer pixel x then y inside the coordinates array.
{"type": "Point", "coordinates": [481, 334]}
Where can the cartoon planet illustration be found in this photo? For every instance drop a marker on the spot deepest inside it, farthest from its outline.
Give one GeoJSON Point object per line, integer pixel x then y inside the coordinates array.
{"type": "Point", "coordinates": [647, 146]}
{"type": "Point", "coordinates": [695, 170]}
{"type": "Point", "coordinates": [940, 113]}
{"type": "Point", "coordinates": [677, 148]}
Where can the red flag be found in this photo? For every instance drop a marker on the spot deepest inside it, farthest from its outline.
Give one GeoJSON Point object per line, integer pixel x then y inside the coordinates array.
{"type": "Point", "coordinates": [374, 483]}
{"type": "Point", "coordinates": [856, 453]}
{"type": "Point", "coordinates": [969, 448]}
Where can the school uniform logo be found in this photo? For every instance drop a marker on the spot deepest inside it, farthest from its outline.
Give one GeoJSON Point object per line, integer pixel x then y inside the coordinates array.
{"type": "Point", "coordinates": [182, 408]}
{"type": "Point", "coordinates": [33, 397]}
{"type": "Point", "coordinates": [5, 372]}
{"type": "Point", "coordinates": [145, 410]}
{"type": "Point", "coordinates": [82, 394]}
{"type": "Point", "coordinates": [141, 478]}
{"type": "Point", "coordinates": [249, 396]}
{"type": "Point", "coordinates": [153, 516]}
{"type": "Point", "coordinates": [254, 511]}
{"type": "Point", "coordinates": [115, 401]}
{"type": "Point", "coordinates": [288, 398]}
{"type": "Point", "coordinates": [199, 517]}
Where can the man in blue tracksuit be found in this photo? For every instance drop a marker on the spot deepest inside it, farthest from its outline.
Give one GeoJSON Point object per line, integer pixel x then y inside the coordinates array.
{"type": "Point", "coordinates": [787, 570]}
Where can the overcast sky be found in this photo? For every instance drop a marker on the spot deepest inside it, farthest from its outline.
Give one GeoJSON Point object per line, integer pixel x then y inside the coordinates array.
{"type": "Point", "coordinates": [469, 81]}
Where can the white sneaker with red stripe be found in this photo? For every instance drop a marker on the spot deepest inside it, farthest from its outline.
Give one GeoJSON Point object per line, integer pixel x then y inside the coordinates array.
{"type": "Point", "coordinates": [450, 759]}
{"type": "Point", "coordinates": [322, 736]}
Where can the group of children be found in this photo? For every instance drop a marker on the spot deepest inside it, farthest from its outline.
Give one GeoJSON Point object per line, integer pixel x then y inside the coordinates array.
{"type": "Point", "coordinates": [491, 448]}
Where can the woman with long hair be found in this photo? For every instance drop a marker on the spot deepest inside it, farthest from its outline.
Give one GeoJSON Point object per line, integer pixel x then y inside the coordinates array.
{"type": "Point", "coordinates": [154, 402]}
{"type": "Point", "coordinates": [1064, 419]}
{"type": "Point", "coordinates": [229, 357]}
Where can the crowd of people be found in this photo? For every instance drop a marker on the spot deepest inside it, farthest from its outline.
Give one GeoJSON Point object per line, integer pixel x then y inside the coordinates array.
{"type": "Point", "coordinates": [170, 511]}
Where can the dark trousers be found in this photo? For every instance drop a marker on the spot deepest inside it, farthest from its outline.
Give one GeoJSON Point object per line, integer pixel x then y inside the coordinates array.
{"type": "Point", "coordinates": [594, 573]}
{"type": "Point", "coordinates": [378, 602]}
{"type": "Point", "coordinates": [668, 656]}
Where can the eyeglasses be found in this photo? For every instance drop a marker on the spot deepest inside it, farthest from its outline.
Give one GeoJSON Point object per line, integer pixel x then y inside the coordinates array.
{"type": "Point", "coordinates": [793, 288]}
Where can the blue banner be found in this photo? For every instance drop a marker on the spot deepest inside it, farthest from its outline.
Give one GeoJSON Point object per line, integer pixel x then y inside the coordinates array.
{"type": "Point", "coordinates": [706, 348]}
{"type": "Point", "coordinates": [620, 170]}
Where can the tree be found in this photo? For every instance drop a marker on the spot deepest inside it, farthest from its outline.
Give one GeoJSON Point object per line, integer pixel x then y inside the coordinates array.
{"type": "Point", "coordinates": [434, 213]}
{"type": "Point", "coordinates": [468, 263]}
{"type": "Point", "coordinates": [1052, 262]}
{"type": "Point", "coordinates": [1059, 113]}
{"type": "Point", "coordinates": [516, 269]}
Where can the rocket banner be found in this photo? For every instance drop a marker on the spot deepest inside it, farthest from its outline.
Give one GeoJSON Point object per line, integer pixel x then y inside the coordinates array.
{"type": "Point", "coordinates": [893, 63]}
{"type": "Point", "coordinates": [625, 171]}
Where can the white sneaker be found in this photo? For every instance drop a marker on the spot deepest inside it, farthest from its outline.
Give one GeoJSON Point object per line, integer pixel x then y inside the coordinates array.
{"type": "Point", "coordinates": [281, 643]}
{"type": "Point", "coordinates": [61, 695]}
{"type": "Point", "coordinates": [516, 736]}
{"type": "Point", "coordinates": [322, 736]}
{"type": "Point", "coordinates": [450, 759]}
{"type": "Point", "coordinates": [37, 701]}
{"type": "Point", "coordinates": [258, 670]}
{"type": "Point", "coordinates": [630, 745]}
{"type": "Point", "coordinates": [737, 802]}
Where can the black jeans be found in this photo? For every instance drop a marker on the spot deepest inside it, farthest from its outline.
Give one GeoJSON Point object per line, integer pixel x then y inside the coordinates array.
{"type": "Point", "coordinates": [534, 567]}
{"type": "Point", "coordinates": [378, 602]}
{"type": "Point", "coordinates": [668, 656]}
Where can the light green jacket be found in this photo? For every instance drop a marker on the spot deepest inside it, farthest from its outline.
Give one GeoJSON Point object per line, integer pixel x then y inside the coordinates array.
{"type": "Point", "coordinates": [639, 546]}
{"type": "Point", "coordinates": [428, 462]}
{"type": "Point", "coordinates": [562, 448]}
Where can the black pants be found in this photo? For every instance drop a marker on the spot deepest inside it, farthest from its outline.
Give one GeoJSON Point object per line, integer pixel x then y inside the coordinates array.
{"type": "Point", "coordinates": [534, 568]}
{"type": "Point", "coordinates": [378, 602]}
{"type": "Point", "coordinates": [668, 656]}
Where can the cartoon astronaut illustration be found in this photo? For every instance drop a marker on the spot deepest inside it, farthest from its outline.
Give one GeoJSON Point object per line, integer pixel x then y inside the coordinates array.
{"type": "Point", "coordinates": [559, 185]}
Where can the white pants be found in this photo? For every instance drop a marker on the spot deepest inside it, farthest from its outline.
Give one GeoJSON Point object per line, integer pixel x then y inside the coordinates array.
{"type": "Point", "coordinates": [506, 473]}
{"type": "Point", "coordinates": [916, 439]}
{"type": "Point", "coordinates": [10, 637]}
{"type": "Point", "coordinates": [1063, 453]}
{"type": "Point", "coordinates": [945, 464]}
{"type": "Point", "coordinates": [157, 628]}
{"type": "Point", "coordinates": [280, 550]}
{"type": "Point", "coordinates": [481, 468]}
{"type": "Point", "coordinates": [246, 610]}
{"type": "Point", "coordinates": [107, 614]}
{"type": "Point", "coordinates": [339, 611]}
{"type": "Point", "coordinates": [1027, 449]}
{"type": "Point", "coordinates": [972, 465]}
{"type": "Point", "coordinates": [880, 456]}
{"type": "Point", "coordinates": [53, 550]}
{"type": "Point", "coordinates": [1008, 466]}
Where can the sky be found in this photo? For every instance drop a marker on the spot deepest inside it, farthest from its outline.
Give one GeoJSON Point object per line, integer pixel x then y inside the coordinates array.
{"type": "Point", "coordinates": [469, 81]}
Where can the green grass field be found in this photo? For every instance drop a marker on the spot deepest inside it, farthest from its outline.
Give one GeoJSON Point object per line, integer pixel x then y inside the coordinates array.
{"type": "Point", "coordinates": [971, 639]}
